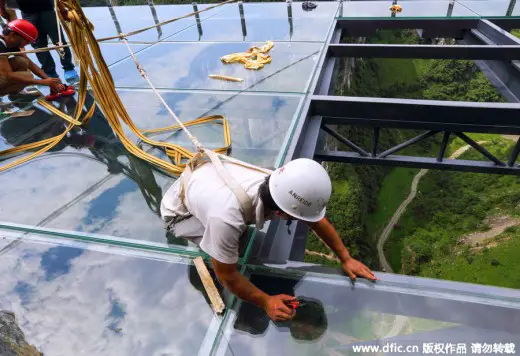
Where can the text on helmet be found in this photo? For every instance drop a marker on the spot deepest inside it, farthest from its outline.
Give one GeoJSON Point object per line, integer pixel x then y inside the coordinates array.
{"type": "Point", "coordinates": [300, 199]}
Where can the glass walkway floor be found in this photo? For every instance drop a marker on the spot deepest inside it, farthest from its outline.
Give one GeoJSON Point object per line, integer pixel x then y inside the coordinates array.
{"type": "Point", "coordinates": [87, 268]}
{"type": "Point", "coordinates": [86, 298]}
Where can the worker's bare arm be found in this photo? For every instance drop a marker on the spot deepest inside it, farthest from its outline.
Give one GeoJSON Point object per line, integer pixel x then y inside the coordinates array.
{"type": "Point", "coordinates": [5, 67]}
{"type": "Point", "coordinates": [241, 287]}
{"type": "Point", "coordinates": [35, 69]}
{"type": "Point", "coordinates": [329, 235]}
{"type": "Point", "coordinates": [3, 10]}
{"type": "Point", "coordinates": [232, 279]}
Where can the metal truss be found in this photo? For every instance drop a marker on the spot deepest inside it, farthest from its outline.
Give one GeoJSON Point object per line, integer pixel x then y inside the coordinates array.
{"type": "Point", "coordinates": [433, 116]}
{"type": "Point", "coordinates": [487, 42]}
{"type": "Point", "coordinates": [494, 50]}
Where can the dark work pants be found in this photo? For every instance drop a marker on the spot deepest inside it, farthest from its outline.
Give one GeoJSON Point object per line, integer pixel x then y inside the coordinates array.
{"type": "Point", "coordinates": [46, 24]}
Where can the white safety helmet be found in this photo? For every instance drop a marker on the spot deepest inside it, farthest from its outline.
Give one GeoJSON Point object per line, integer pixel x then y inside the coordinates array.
{"type": "Point", "coordinates": [301, 189]}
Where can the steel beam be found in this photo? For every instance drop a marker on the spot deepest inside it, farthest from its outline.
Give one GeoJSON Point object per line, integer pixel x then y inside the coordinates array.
{"type": "Point", "coordinates": [344, 140]}
{"type": "Point", "coordinates": [506, 23]}
{"type": "Point", "coordinates": [422, 125]}
{"type": "Point", "coordinates": [496, 34]}
{"type": "Point", "coordinates": [375, 141]}
{"type": "Point", "coordinates": [431, 27]}
{"type": "Point", "coordinates": [418, 162]}
{"type": "Point", "coordinates": [444, 145]}
{"type": "Point", "coordinates": [410, 110]}
{"type": "Point", "coordinates": [504, 75]}
{"type": "Point", "coordinates": [480, 149]}
{"type": "Point", "coordinates": [407, 143]}
{"type": "Point", "coordinates": [279, 244]}
{"type": "Point", "coordinates": [497, 52]}
{"type": "Point", "coordinates": [514, 154]}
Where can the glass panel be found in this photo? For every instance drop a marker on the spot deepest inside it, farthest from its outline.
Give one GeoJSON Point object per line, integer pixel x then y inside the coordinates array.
{"type": "Point", "coordinates": [335, 316]}
{"type": "Point", "coordinates": [72, 300]}
{"type": "Point", "coordinates": [258, 122]}
{"type": "Point", "coordinates": [324, 10]}
{"type": "Point", "coordinates": [274, 29]}
{"type": "Point", "coordinates": [493, 8]}
{"type": "Point", "coordinates": [409, 9]}
{"type": "Point", "coordinates": [110, 193]}
{"type": "Point", "coordinates": [3, 242]}
{"type": "Point", "coordinates": [110, 22]}
{"type": "Point", "coordinates": [89, 183]}
{"type": "Point", "coordinates": [112, 53]}
{"type": "Point", "coordinates": [188, 65]}
{"type": "Point", "coordinates": [274, 21]}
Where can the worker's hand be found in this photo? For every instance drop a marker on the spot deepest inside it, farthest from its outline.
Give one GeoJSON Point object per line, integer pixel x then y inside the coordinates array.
{"type": "Point", "coordinates": [353, 268]}
{"type": "Point", "coordinates": [50, 82]}
{"type": "Point", "coordinates": [58, 87]}
{"type": "Point", "coordinates": [277, 309]}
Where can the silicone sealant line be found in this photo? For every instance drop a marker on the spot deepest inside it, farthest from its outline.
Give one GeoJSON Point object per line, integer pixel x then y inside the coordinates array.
{"type": "Point", "coordinates": [116, 241]}
{"type": "Point", "coordinates": [14, 240]}
{"type": "Point", "coordinates": [401, 284]}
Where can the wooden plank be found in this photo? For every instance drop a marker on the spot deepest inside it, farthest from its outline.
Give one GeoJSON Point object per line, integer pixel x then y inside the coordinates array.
{"type": "Point", "coordinates": [209, 285]}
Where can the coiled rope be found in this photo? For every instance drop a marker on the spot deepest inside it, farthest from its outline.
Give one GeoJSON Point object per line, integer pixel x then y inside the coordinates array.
{"type": "Point", "coordinates": [95, 71]}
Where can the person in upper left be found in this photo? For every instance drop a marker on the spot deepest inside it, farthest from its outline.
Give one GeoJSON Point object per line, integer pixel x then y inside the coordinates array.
{"type": "Point", "coordinates": [17, 71]}
{"type": "Point", "coordinates": [42, 15]}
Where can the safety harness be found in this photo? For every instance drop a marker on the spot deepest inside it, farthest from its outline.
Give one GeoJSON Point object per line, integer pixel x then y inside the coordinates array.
{"type": "Point", "coordinates": [246, 205]}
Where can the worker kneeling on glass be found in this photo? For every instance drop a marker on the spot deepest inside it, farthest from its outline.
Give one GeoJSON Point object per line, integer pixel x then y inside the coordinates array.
{"type": "Point", "coordinates": [204, 210]}
{"type": "Point", "coordinates": [16, 71]}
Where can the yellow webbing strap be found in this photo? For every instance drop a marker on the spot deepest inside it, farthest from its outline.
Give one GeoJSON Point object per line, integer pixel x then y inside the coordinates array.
{"type": "Point", "coordinates": [49, 143]}
{"type": "Point", "coordinates": [96, 72]}
{"type": "Point", "coordinates": [93, 66]}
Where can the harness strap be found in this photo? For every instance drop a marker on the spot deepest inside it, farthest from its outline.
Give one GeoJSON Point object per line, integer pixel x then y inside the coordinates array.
{"type": "Point", "coordinates": [198, 160]}
{"type": "Point", "coordinates": [240, 193]}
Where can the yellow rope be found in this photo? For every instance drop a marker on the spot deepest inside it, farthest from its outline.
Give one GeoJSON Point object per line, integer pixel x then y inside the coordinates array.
{"type": "Point", "coordinates": [49, 143]}
{"type": "Point", "coordinates": [202, 151]}
{"type": "Point", "coordinates": [95, 71]}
